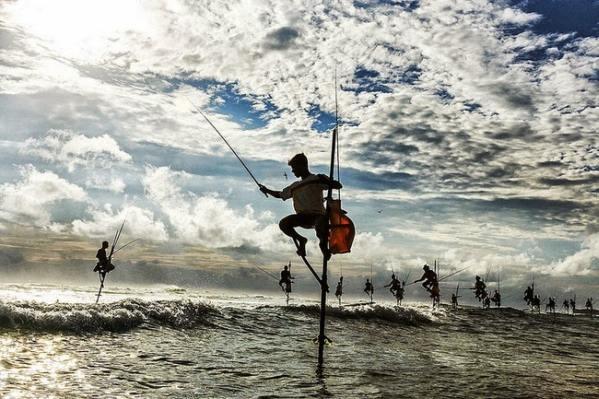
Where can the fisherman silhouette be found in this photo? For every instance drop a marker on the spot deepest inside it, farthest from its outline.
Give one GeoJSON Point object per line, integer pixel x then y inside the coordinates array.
{"type": "Point", "coordinates": [550, 305]}
{"type": "Point", "coordinates": [104, 265]}
{"type": "Point", "coordinates": [308, 204]}
{"type": "Point", "coordinates": [573, 304]}
{"type": "Point", "coordinates": [431, 284]}
{"type": "Point", "coordinates": [286, 280]}
{"type": "Point", "coordinates": [479, 289]}
{"type": "Point", "coordinates": [529, 295]}
{"type": "Point", "coordinates": [339, 290]}
{"type": "Point", "coordinates": [429, 277]}
{"type": "Point", "coordinates": [396, 288]}
{"type": "Point", "coordinates": [496, 298]}
{"type": "Point", "coordinates": [368, 288]}
{"type": "Point", "coordinates": [536, 303]}
{"type": "Point", "coordinates": [589, 305]}
{"type": "Point", "coordinates": [486, 302]}
{"type": "Point", "coordinates": [566, 305]}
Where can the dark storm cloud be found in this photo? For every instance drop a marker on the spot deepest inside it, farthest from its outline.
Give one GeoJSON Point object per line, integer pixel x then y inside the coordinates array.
{"type": "Point", "coordinates": [282, 38]}
{"type": "Point", "coordinates": [548, 181]}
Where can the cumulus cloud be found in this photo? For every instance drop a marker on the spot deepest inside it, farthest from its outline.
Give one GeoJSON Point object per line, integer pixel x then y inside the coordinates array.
{"type": "Point", "coordinates": [73, 150]}
{"type": "Point", "coordinates": [31, 199]}
{"type": "Point", "coordinates": [207, 220]}
{"type": "Point", "coordinates": [139, 223]}
{"type": "Point", "coordinates": [583, 262]}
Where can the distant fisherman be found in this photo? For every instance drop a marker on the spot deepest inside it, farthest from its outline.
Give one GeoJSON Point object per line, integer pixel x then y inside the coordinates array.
{"type": "Point", "coordinates": [368, 288]}
{"type": "Point", "coordinates": [431, 284]}
{"type": "Point", "coordinates": [286, 279]}
{"type": "Point", "coordinates": [536, 303]}
{"type": "Point", "coordinates": [566, 305]}
{"type": "Point", "coordinates": [550, 305]}
{"type": "Point", "coordinates": [528, 295]}
{"type": "Point", "coordinates": [589, 305]}
{"type": "Point", "coordinates": [396, 288]}
{"type": "Point", "coordinates": [104, 265]}
{"type": "Point", "coordinates": [486, 302]}
{"type": "Point", "coordinates": [573, 304]}
{"type": "Point", "coordinates": [479, 289]}
{"type": "Point", "coordinates": [496, 298]}
{"type": "Point", "coordinates": [339, 290]}
{"type": "Point", "coordinates": [308, 204]}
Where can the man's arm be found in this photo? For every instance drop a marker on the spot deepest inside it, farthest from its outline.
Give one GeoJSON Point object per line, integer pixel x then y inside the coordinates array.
{"type": "Point", "coordinates": [267, 191]}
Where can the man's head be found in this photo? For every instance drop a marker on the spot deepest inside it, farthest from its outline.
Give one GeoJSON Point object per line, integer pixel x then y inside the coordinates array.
{"type": "Point", "coordinates": [477, 277]}
{"type": "Point", "coordinates": [425, 268]}
{"type": "Point", "coordinates": [104, 244]}
{"type": "Point", "coordinates": [285, 267]}
{"type": "Point", "coordinates": [299, 165]}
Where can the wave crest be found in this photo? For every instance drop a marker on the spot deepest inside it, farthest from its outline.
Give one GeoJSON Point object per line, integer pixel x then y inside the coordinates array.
{"type": "Point", "coordinates": [397, 315]}
{"type": "Point", "coordinates": [116, 316]}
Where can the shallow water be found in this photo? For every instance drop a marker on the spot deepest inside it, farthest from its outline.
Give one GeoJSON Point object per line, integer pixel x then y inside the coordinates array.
{"type": "Point", "coordinates": [169, 342]}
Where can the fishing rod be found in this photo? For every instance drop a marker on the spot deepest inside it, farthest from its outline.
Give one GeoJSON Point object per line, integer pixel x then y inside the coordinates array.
{"type": "Point", "coordinates": [269, 274]}
{"type": "Point", "coordinates": [226, 142]}
{"type": "Point", "coordinates": [126, 245]}
{"type": "Point", "coordinates": [454, 273]}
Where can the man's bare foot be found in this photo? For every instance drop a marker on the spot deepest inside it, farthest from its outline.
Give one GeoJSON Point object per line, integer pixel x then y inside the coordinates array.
{"type": "Point", "coordinates": [300, 243]}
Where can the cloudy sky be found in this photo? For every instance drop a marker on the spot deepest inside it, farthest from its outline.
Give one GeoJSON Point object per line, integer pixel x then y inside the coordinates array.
{"type": "Point", "coordinates": [469, 129]}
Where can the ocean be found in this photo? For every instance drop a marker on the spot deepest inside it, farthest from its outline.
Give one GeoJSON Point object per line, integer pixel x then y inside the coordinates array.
{"type": "Point", "coordinates": [170, 342]}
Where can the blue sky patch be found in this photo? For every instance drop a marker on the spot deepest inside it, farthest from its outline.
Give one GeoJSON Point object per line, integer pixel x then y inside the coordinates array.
{"type": "Point", "coordinates": [225, 99]}
{"type": "Point", "coordinates": [323, 121]}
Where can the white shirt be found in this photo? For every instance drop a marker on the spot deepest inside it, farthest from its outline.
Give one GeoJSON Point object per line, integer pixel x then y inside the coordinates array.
{"type": "Point", "coordinates": [307, 195]}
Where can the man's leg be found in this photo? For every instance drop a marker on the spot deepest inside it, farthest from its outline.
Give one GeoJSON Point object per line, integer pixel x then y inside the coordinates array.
{"type": "Point", "coordinates": [288, 225]}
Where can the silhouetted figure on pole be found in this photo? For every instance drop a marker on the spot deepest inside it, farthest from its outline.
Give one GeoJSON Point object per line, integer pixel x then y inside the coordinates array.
{"type": "Point", "coordinates": [566, 305]}
{"type": "Point", "coordinates": [550, 305]}
{"type": "Point", "coordinates": [285, 281]}
{"type": "Point", "coordinates": [480, 289]}
{"type": "Point", "coordinates": [369, 289]}
{"type": "Point", "coordinates": [529, 295]}
{"type": "Point", "coordinates": [496, 298]}
{"type": "Point", "coordinates": [431, 284]}
{"type": "Point", "coordinates": [104, 265]}
{"type": "Point", "coordinates": [308, 204]}
{"type": "Point", "coordinates": [339, 290]}
{"type": "Point", "coordinates": [536, 303]}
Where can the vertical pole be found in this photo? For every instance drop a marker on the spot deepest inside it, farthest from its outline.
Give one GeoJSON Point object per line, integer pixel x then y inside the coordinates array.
{"type": "Point", "coordinates": [323, 284]}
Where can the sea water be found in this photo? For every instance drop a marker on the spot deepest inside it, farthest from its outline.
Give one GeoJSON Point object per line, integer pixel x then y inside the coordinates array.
{"type": "Point", "coordinates": [160, 342]}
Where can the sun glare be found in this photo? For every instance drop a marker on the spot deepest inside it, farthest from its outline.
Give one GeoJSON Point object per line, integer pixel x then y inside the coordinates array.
{"type": "Point", "coordinates": [84, 30]}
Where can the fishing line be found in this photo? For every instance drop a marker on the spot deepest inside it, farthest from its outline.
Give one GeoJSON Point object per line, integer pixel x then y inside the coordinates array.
{"type": "Point", "coordinates": [226, 142]}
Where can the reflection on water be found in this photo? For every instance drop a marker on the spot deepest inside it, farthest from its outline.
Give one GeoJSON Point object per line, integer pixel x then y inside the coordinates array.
{"type": "Point", "coordinates": [178, 348]}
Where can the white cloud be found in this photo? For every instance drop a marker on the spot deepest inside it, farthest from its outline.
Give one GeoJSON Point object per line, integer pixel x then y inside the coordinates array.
{"type": "Point", "coordinates": [207, 220]}
{"type": "Point", "coordinates": [30, 200]}
{"type": "Point", "coordinates": [139, 223]}
{"type": "Point", "coordinates": [580, 263]}
{"type": "Point", "coordinates": [74, 150]}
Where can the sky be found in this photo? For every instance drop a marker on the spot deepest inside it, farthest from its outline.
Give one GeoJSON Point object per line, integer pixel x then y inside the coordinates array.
{"type": "Point", "coordinates": [468, 132]}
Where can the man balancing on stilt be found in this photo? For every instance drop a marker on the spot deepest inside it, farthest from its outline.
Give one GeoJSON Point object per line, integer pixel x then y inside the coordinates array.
{"type": "Point", "coordinates": [285, 281]}
{"type": "Point", "coordinates": [308, 204]}
{"type": "Point", "coordinates": [104, 265]}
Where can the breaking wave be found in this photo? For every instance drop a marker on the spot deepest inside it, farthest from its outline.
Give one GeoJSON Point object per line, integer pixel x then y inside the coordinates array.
{"type": "Point", "coordinates": [396, 315]}
{"type": "Point", "coordinates": [116, 316]}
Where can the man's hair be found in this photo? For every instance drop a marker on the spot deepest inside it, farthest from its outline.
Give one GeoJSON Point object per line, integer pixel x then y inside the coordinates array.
{"type": "Point", "coordinates": [104, 243]}
{"type": "Point", "coordinates": [298, 159]}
